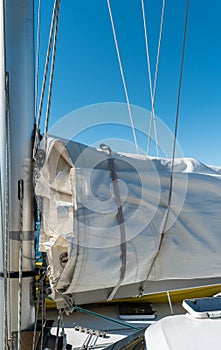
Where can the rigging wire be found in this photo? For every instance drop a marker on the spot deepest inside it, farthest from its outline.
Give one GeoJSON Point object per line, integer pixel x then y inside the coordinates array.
{"type": "Point", "coordinates": [153, 89]}
{"type": "Point", "coordinates": [174, 149]}
{"type": "Point", "coordinates": [38, 119]}
{"type": "Point", "coordinates": [156, 72]}
{"type": "Point", "coordinates": [123, 77]}
{"type": "Point", "coordinates": [52, 66]}
{"type": "Point", "coordinates": [37, 56]}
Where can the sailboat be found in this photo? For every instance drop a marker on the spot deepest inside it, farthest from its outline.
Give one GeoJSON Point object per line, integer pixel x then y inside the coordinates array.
{"type": "Point", "coordinates": [110, 242]}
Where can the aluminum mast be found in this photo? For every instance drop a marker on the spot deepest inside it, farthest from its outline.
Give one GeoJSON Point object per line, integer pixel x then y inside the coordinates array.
{"type": "Point", "coordinates": [19, 47]}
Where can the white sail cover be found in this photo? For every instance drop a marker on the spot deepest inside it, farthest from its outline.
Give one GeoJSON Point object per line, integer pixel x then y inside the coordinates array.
{"type": "Point", "coordinates": [92, 245]}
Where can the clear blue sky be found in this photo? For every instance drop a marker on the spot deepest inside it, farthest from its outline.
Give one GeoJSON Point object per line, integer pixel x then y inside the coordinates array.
{"type": "Point", "coordinates": [87, 70]}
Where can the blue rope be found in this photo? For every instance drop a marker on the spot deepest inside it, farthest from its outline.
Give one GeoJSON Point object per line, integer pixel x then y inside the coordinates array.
{"type": "Point", "coordinates": [106, 317]}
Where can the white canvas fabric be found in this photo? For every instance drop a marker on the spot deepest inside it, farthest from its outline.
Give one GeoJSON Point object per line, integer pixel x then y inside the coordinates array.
{"type": "Point", "coordinates": [80, 228]}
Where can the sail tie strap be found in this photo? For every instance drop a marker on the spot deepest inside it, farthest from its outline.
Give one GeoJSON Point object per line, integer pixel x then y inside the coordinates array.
{"type": "Point", "coordinates": [123, 77]}
{"type": "Point", "coordinates": [164, 230]}
{"type": "Point", "coordinates": [120, 219]}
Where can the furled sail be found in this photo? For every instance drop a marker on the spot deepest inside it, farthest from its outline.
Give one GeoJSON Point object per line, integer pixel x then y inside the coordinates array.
{"type": "Point", "coordinates": [102, 233]}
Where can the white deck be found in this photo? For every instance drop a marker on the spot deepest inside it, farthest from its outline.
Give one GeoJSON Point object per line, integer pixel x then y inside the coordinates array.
{"type": "Point", "coordinates": [114, 332]}
{"type": "Point", "coordinates": [184, 332]}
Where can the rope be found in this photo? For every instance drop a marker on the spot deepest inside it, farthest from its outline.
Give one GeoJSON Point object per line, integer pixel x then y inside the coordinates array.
{"type": "Point", "coordinates": [174, 149]}
{"type": "Point", "coordinates": [3, 164]}
{"type": "Point", "coordinates": [148, 68]}
{"type": "Point", "coordinates": [52, 66]}
{"type": "Point", "coordinates": [36, 322]}
{"type": "Point", "coordinates": [57, 333]}
{"type": "Point", "coordinates": [43, 297]}
{"type": "Point", "coordinates": [4, 266]}
{"type": "Point", "coordinates": [20, 198]}
{"type": "Point", "coordinates": [4, 214]}
{"type": "Point", "coordinates": [38, 119]}
{"type": "Point", "coordinates": [7, 245]}
{"type": "Point", "coordinates": [37, 56]}
{"type": "Point", "coordinates": [170, 303]}
{"type": "Point", "coordinates": [152, 90]}
{"type": "Point", "coordinates": [63, 334]}
{"type": "Point", "coordinates": [40, 300]}
{"type": "Point", "coordinates": [177, 119]}
{"type": "Point", "coordinates": [122, 76]}
{"type": "Point", "coordinates": [78, 308]}
{"type": "Point", "coordinates": [41, 289]}
{"type": "Point", "coordinates": [60, 324]}
{"type": "Point", "coordinates": [156, 72]}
